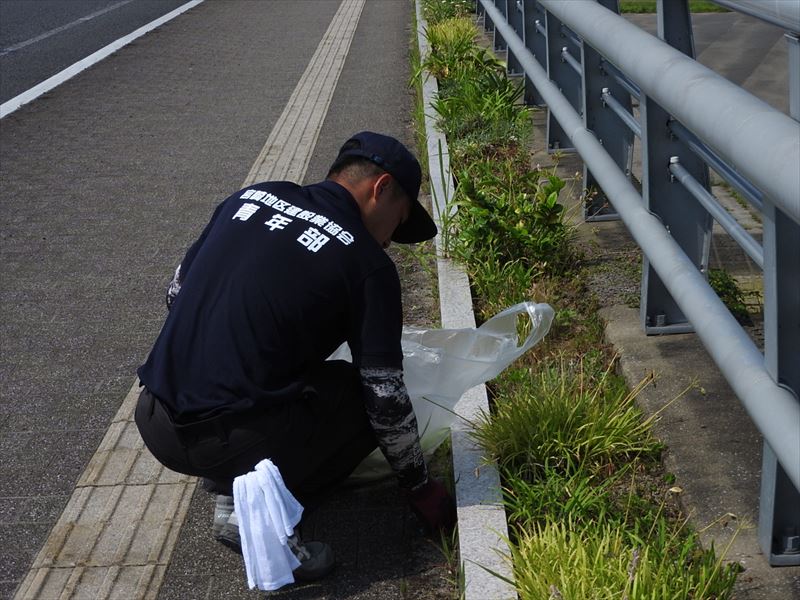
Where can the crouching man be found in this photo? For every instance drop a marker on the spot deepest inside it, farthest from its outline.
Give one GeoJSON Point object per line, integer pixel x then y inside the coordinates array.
{"type": "Point", "coordinates": [278, 279]}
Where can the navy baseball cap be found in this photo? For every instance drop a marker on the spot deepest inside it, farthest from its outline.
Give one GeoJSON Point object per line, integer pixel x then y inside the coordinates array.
{"type": "Point", "coordinates": [394, 158]}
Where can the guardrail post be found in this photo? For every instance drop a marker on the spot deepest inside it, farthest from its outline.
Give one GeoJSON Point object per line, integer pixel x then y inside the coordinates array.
{"type": "Point", "coordinates": [514, 15]}
{"type": "Point", "coordinates": [779, 509]}
{"type": "Point", "coordinates": [616, 138]}
{"type": "Point", "coordinates": [567, 81]}
{"type": "Point", "coordinates": [533, 17]}
{"type": "Point", "coordinates": [685, 219]}
{"type": "Point", "coordinates": [499, 43]}
{"type": "Point", "coordinates": [488, 25]}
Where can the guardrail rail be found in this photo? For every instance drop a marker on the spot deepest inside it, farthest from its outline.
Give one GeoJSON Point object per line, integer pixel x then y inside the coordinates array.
{"type": "Point", "coordinates": [588, 66]}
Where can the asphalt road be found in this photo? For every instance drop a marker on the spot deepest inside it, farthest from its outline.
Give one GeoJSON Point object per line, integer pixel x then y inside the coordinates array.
{"type": "Point", "coordinates": [40, 38]}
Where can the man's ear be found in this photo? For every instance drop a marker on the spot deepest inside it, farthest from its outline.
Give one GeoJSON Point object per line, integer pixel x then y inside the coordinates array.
{"type": "Point", "coordinates": [382, 185]}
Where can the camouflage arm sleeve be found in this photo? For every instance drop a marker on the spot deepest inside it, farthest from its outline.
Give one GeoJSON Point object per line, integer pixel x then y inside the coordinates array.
{"type": "Point", "coordinates": [392, 418]}
{"type": "Point", "coordinates": [174, 287]}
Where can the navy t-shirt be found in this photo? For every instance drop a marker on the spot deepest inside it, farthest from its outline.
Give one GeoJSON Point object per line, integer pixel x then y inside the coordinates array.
{"type": "Point", "coordinates": [279, 278]}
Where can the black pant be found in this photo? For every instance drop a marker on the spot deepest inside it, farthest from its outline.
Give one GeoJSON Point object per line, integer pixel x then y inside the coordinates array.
{"type": "Point", "coordinates": [316, 439]}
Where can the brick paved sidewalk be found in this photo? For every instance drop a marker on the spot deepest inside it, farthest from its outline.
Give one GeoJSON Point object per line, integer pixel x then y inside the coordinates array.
{"type": "Point", "coordinates": [106, 180]}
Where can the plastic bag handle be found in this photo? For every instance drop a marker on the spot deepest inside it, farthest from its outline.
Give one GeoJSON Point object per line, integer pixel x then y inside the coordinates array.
{"type": "Point", "coordinates": [540, 314]}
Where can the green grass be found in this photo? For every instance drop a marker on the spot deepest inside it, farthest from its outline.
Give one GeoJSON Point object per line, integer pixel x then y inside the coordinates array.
{"type": "Point", "coordinates": [583, 534]}
{"type": "Point", "coordinates": [603, 561]}
{"type": "Point", "coordinates": [448, 545]}
{"type": "Point", "coordinates": [590, 513]}
{"type": "Point", "coordinates": [649, 6]}
{"type": "Point", "coordinates": [436, 11]}
{"type": "Point", "coordinates": [564, 416]}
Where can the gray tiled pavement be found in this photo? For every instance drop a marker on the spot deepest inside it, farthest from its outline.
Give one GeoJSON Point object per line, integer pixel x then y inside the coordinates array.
{"type": "Point", "coordinates": [106, 180]}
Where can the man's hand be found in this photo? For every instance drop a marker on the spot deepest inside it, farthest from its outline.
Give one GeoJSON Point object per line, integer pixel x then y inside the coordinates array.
{"type": "Point", "coordinates": [433, 505]}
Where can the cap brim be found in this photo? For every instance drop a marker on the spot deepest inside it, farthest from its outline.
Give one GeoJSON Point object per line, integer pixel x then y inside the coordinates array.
{"type": "Point", "coordinates": [418, 228]}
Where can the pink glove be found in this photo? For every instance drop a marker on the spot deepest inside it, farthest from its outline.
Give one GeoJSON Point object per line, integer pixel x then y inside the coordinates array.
{"type": "Point", "coordinates": [433, 505]}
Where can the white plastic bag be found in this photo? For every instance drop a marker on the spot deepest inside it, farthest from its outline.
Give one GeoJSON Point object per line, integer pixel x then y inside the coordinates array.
{"type": "Point", "coordinates": [439, 365]}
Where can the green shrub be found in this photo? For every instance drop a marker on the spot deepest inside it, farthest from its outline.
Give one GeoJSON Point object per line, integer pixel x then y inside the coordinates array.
{"type": "Point", "coordinates": [504, 216]}
{"type": "Point", "coordinates": [587, 520]}
{"type": "Point", "coordinates": [487, 104]}
{"type": "Point", "coordinates": [730, 293]}
{"type": "Point", "coordinates": [436, 11]}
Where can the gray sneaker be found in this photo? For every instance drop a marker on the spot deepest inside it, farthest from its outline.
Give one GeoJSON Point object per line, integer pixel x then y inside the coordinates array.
{"type": "Point", "coordinates": [222, 512]}
{"type": "Point", "coordinates": [316, 558]}
{"type": "Point", "coordinates": [228, 532]}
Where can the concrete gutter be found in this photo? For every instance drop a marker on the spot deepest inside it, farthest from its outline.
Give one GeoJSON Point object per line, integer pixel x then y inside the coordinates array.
{"type": "Point", "coordinates": [482, 527]}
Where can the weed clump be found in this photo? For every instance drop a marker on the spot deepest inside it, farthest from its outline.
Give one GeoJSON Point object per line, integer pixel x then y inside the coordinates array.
{"type": "Point", "coordinates": [562, 416]}
{"type": "Point", "coordinates": [603, 561]}
{"type": "Point", "coordinates": [730, 293]}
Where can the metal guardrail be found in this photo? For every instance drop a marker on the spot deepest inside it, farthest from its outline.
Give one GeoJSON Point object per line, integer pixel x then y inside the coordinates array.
{"type": "Point", "coordinates": [586, 63]}
{"type": "Point", "coordinates": [782, 13]}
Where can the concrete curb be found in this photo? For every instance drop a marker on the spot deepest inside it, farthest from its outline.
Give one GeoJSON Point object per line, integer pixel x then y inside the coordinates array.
{"type": "Point", "coordinates": [482, 527]}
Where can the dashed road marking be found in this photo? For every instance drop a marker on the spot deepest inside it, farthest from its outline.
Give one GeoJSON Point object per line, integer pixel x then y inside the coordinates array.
{"type": "Point", "coordinates": [57, 30]}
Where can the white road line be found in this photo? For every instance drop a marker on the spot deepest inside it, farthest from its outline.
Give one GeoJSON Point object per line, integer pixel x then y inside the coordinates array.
{"type": "Point", "coordinates": [70, 25]}
{"type": "Point", "coordinates": [10, 106]}
{"type": "Point", "coordinates": [117, 533]}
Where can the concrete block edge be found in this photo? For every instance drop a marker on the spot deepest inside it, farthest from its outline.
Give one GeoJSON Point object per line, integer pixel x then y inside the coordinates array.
{"type": "Point", "coordinates": [483, 530]}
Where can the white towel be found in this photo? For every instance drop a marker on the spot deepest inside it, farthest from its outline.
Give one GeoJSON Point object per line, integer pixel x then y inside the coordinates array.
{"type": "Point", "coordinates": [267, 513]}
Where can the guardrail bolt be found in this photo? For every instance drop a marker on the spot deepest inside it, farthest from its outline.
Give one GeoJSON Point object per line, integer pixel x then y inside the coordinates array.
{"type": "Point", "coordinates": [673, 160]}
